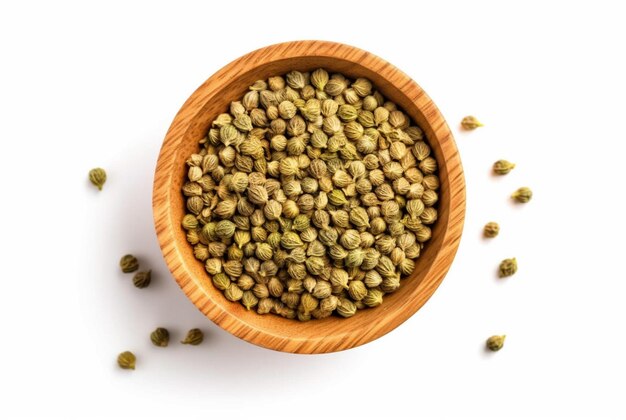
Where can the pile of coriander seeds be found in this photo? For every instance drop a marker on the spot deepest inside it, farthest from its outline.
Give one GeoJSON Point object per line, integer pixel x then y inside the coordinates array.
{"type": "Point", "coordinates": [313, 195]}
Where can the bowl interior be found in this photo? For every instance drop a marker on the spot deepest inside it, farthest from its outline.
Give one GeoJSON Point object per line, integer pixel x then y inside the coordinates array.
{"type": "Point", "coordinates": [332, 333]}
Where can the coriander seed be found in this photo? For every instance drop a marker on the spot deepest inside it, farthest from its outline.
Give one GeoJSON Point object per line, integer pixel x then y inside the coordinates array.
{"type": "Point", "coordinates": [126, 360]}
{"type": "Point", "coordinates": [508, 267]}
{"type": "Point", "coordinates": [491, 230]}
{"type": "Point", "coordinates": [495, 342]}
{"type": "Point", "coordinates": [503, 167]}
{"type": "Point", "coordinates": [129, 263]}
{"type": "Point", "coordinates": [522, 195]}
{"type": "Point", "coordinates": [193, 337]}
{"type": "Point", "coordinates": [470, 123]}
{"type": "Point", "coordinates": [98, 177]}
{"type": "Point", "coordinates": [142, 279]}
{"type": "Point", "coordinates": [160, 337]}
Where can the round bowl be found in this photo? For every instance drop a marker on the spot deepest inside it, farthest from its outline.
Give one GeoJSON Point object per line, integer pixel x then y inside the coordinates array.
{"type": "Point", "coordinates": [192, 123]}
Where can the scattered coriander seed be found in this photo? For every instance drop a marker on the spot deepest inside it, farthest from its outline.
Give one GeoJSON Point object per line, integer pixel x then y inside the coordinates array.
{"type": "Point", "coordinates": [194, 337]}
{"type": "Point", "coordinates": [503, 167]}
{"type": "Point", "coordinates": [508, 267]}
{"type": "Point", "coordinates": [491, 230]}
{"type": "Point", "coordinates": [142, 279]}
{"type": "Point", "coordinates": [470, 123]}
{"type": "Point", "coordinates": [522, 195]}
{"type": "Point", "coordinates": [160, 337]}
{"type": "Point", "coordinates": [98, 177]}
{"type": "Point", "coordinates": [126, 360]}
{"type": "Point", "coordinates": [129, 263]}
{"type": "Point", "coordinates": [495, 342]}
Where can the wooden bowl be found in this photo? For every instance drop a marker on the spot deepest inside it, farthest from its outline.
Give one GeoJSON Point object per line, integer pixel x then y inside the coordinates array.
{"type": "Point", "coordinates": [192, 123]}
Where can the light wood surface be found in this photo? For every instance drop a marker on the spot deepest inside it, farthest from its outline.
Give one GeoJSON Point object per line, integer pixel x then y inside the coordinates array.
{"type": "Point", "coordinates": [191, 124]}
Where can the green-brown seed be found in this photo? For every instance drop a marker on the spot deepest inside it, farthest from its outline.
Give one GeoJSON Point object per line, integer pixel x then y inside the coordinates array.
{"type": "Point", "coordinates": [190, 222]}
{"type": "Point", "coordinates": [129, 263]}
{"type": "Point", "coordinates": [249, 300]}
{"type": "Point", "coordinates": [142, 279]}
{"type": "Point", "coordinates": [508, 267]}
{"type": "Point", "coordinates": [315, 265]}
{"type": "Point", "coordinates": [359, 217]}
{"type": "Point", "coordinates": [290, 240]}
{"type": "Point", "coordinates": [522, 195]}
{"type": "Point", "coordinates": [160, 337]}
{"type": "Point", "coordinates": [495, 342]}
{"type": "Point", "coordinates": [98, 177]}
{"type": "Point", "coordinates": [225, 229]}
{"type": "Point", "coordinates": [221, 281]}
{"type": "Point", "coordinates": [233, 293]}
{"type": "Point", "coordinates": [346, 308]}
{"type": "Point", "coordinates": [355, 258]}
{"type": "Point", "coordinates": [126, 360]}
{"type": "Point", "coordinates": [194, 337]}
{"type": "Point", "coordinates": [337, 198]}
{"type": "Point", "coordinates": [503, 167]}
{"type": "Point", "coordinates": [357, 290]}
{"type": "Point", "coordinates": [491, 230]}
{"type": "Point", "coordinates": [264, 251]}
{"type": "Point", "coordinates": [301, 223]}
{"type": "Point", "coordinates": [470, 123]}
{"type": "Point", "coordinates": [373, 298]}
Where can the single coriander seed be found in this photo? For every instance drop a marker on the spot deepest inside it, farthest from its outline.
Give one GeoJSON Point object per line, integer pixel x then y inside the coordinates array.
{"type": "Point", "coordinates": [98, 177]}
{"type": "Point", "coordinates": [194, 337]}
{"type": "Point", "coordinates": [129, 263]}
{"type": "Point", "coordinates": [160, 337]}
{"type": "Point", "coordinates": [491, 230]}
{"type": "Point", "coordinates": [503, 167]}
{"type": "Point", "coordinates": [522, 195]}
{"type": "Point", "coordinates": [470, 123]}
{"type": "Point", "coordinates": [126, 360]}
{"type": "Point", "coordinates": [142, 279]}
{"type": "Point", "coordinates": [495, 342]}
{"type": "Point", "coordinates": [508, 267]}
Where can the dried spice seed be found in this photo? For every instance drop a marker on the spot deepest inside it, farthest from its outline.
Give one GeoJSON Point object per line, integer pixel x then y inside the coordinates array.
{"type": "Point", "coordinates": [98, 177]}
{"type": "Point", "coordinates": [373, 298]}
{"type": "Point", "coordinates": [142, 279]}
{"type": "Point", "coordinates": [508, 267]}
{"type": "Point", "coordinates": [503, 167]}
{"type": "Point", "coordinates": [470, 123]}
{"type": "Point", "coordinates": [193, 337]}
{"type": "Point", "coordinates": [491, 230]}
{"type": "Point", "coordinates": [495, 342]}
{"type": "Point", "coordinates": [522, 195]}
{"type": "Point", "coordinates": [126, 360]}
{"type": "Point", "coordinates": [129, 263]}
{"type": "Point", "coordinates": [160, 337]}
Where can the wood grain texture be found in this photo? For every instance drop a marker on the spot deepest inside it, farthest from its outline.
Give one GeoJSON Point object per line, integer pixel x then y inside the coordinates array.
{"type": "Point", "coordinates": [192, 123]}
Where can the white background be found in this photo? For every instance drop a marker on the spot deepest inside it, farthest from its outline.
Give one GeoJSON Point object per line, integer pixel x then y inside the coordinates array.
{"type": "Point", "coordinates": [86, 84]}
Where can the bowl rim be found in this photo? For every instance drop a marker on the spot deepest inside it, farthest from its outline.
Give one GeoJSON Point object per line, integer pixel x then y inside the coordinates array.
{"type": "Point", "coordinates": [164, 224]}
